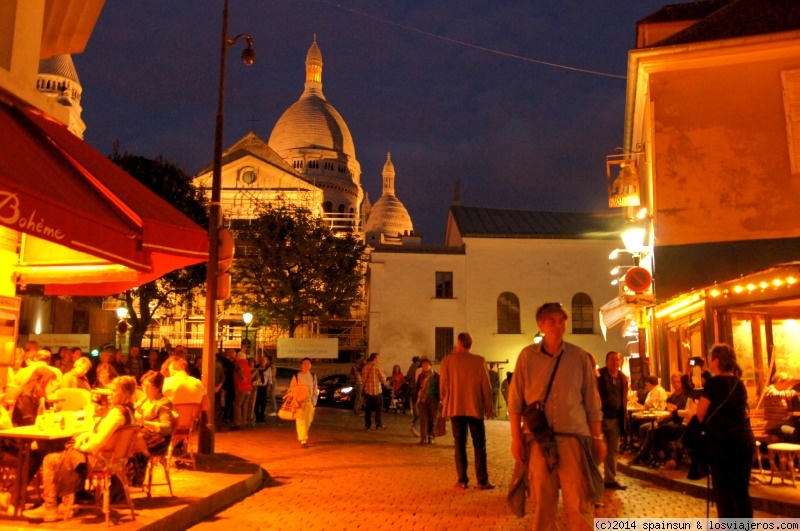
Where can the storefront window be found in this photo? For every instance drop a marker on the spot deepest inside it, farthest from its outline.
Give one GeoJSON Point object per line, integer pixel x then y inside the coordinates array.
{"type": "Point", "coordinates": [742, 329]}
{"type": "Point", "coordinates": [786, 338]}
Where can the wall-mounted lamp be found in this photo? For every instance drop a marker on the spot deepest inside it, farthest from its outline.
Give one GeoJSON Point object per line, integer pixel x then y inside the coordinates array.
{"type": "Point", "coordinates": [122, 313]}
{"type": "Point", "coordinates": [633, 234]}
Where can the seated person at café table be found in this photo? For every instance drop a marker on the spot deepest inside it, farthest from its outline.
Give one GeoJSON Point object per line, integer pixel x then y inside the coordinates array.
{"type": "Point", "coordinates": [76, 377]}
{"type": "Point", "coordinates": [655, 400]}
{"type": "Point", "coordinates": [181, 388]}
{"type": "Point", "coordinates": [33, 394]}
{"type": "Point", "coordinates": [676, 405]}
{"type": "Point", "coordinates": [105, 372]}
{"type": "Point", "coordinates": [40, 358]}
{"type": "Point", "coordinates": [778, 408]}
{"type": "Point", "coordinates": [154, 413]}
{"type": "Point", "coordinates": [119, 414]}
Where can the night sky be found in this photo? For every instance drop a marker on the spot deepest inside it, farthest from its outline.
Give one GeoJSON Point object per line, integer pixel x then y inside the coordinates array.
{"type": "Point", "coordinates": [413, 77]}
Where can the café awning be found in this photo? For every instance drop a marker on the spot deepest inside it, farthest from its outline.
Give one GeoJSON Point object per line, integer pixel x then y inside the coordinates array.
{"type": "Point", "coordinates": [88, 228]}
{"type": "Point", "coordinates": [614, 312]}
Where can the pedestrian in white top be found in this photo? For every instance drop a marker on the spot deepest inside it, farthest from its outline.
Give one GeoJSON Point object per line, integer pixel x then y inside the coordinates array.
{"type": "Point", "coordinates": [304, 390]}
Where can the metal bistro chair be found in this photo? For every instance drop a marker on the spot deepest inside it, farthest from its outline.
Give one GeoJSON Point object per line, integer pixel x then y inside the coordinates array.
{"type": "Point", "coordinates": [107, 462]}
{"type": "Point", "coordinates": [185, 431]}
{"type": "Point", "coordinates": [152, 462]}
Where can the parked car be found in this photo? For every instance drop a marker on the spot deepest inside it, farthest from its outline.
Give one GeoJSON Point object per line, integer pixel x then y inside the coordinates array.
{"type": "Point", "coordinates": [343, 396]}
{"type": "Point", "coordinates": [328, 385]}
{"type": "Point", "coordinates": [283, 377]}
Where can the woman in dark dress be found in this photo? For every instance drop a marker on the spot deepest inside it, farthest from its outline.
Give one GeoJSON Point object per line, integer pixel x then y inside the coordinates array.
{"type": "Point", "coordinates": [723, 407]}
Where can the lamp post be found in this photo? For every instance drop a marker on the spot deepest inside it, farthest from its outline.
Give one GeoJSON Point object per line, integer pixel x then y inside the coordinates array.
{"type": "Point", "coordinates": [247, 317]}
{"type": "Point", "coordinates": [206, 438]}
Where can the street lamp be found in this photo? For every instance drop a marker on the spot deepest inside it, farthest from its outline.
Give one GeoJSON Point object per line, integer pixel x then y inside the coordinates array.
{"type": "Point", "coordinates": [122, 325]}
{"type": "Point", "coordinates": [206, 439]}
{"type": "Point", "coordinates": [247, 317]}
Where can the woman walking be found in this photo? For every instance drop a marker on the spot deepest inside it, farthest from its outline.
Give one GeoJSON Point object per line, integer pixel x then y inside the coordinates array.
{"type": "Point", "coordinates": [303, 388]}
{"type": "Point", "coordinates": [723, 407]}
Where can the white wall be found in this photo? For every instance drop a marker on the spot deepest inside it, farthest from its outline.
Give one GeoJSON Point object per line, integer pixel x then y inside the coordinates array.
{"type": "Point", "coordinates": [404, 312]}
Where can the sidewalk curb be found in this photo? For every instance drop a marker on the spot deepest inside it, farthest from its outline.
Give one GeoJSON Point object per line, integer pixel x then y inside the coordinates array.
{"type": "Point", "coordinates": [205, 507]}
{"type": "Point", "coordinates": [697, 489]}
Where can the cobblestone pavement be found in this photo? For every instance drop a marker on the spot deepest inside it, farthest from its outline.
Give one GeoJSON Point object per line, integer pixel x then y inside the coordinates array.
{"type": "Point", "coordinates": [350, 478]}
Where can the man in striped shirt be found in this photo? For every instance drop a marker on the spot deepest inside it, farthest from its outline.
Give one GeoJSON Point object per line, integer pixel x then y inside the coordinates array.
{"type": "Point", "coordinates": [373, 391]}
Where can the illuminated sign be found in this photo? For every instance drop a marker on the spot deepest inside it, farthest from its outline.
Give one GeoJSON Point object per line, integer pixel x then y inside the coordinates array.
{"type": "Point", "coordinates": [622, 183]}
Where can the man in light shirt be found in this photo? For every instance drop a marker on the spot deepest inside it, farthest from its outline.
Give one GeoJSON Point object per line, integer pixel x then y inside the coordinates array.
{"type": "Point", "coordinates": [181, 388]}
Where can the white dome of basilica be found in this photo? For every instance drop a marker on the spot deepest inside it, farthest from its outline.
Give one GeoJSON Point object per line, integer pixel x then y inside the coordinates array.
{"type": "Point", "coordinates": [312, 121]}
{"type": "Point", "coordinates": [388, 216]}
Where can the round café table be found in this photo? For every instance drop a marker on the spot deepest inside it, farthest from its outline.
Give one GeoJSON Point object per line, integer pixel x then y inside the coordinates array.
{"type": "Point", "coordinates": [781, 460]}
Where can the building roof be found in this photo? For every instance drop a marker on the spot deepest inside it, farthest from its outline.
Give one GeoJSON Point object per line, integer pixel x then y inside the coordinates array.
{"type": "Point", "coordinates": [499, 223]}
{"type": "Point", "coordinates": [418, 249]}
{"type": "Point", "coordinates": [252, 144]}
{"type": "Point", "coordinates": [312, 122]}
{"type": "Point", "coordinates": [684, 12]}
{"type": "Point", "coordinates": [59, 65]}
{"type": "Point", "coordinates": [727, 19]}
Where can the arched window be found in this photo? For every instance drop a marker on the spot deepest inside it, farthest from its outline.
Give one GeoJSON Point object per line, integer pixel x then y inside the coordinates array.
{"type": "Point", "coordinates": [582, 314]}
{"type": "Point", "coordinates": [327, 206]}
{"type": "Point", "coordinates": [341, 208]}
{"type": "Point", "coordinates": [508, 313]}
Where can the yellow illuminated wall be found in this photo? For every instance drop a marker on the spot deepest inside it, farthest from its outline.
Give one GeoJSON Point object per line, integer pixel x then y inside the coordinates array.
{"type": "Point", "coordinates": [721, 154]}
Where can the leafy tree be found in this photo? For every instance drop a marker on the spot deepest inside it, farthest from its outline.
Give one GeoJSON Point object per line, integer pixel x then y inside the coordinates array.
{"type": "Point", "coordinates": [292, 267]}
{"type": "Point", "coordinates": [171, 183]}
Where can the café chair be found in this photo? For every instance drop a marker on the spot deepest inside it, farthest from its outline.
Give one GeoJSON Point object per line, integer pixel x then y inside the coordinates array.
{"type": "Point", "coordinates": [762, 438]}
{"type": "Point", "coordinates": [152, 461]}
{"type": "Point", "coordinates": [72, 399]}
{"type": "Point", "coordinates": [184, 431]}
{"type": "Point", "coordinates": [110, 461]}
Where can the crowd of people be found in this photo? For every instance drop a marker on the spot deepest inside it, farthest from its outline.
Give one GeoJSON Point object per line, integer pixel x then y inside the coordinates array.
{"type": "Point", "coordinates": [245, 389]}
{"type": "Point", "coordinates": [120, 392]}
{"type": "Point", "coordinates": [567, 417]}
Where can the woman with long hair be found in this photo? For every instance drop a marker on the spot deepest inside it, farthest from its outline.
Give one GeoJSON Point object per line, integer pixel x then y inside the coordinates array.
{"type": "Point", "coordinates": [723, 408]}
{"type": "Point", "coordinates": [154, 413]}
{"type": "Point", "coordinates": [42, 382]}
{"type": "Point", "coordinates": [398, 378]}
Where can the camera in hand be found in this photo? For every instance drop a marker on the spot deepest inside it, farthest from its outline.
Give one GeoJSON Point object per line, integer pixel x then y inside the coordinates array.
{"type": "Point", "coordinates": [696, 361]}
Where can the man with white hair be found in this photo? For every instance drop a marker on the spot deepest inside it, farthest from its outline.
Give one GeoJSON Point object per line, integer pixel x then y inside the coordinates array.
{"type": "Point", "coordinates": [181, 388]}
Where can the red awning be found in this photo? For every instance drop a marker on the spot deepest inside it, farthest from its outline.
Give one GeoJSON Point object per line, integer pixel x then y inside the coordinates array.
{"type": "Point", "coordinates": [56, 189]}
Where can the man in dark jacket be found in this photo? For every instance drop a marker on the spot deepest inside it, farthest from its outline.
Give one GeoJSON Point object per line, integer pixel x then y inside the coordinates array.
{"type": "Point", "coordinates": [613, 387]}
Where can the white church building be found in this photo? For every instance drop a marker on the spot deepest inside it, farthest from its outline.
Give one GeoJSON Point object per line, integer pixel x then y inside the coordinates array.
{"type": "Point", "coordinates": [496, 268]}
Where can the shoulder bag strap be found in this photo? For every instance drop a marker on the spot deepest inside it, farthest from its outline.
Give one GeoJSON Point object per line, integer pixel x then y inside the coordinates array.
{"type": "Point", "coordinates": [552, 377]}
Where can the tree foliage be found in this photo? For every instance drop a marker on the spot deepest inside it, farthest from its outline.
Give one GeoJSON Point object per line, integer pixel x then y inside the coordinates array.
{"type": "Point", "coordinates": [292, 267]}
{"type": "Point", "coordinates": [171, 183]}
